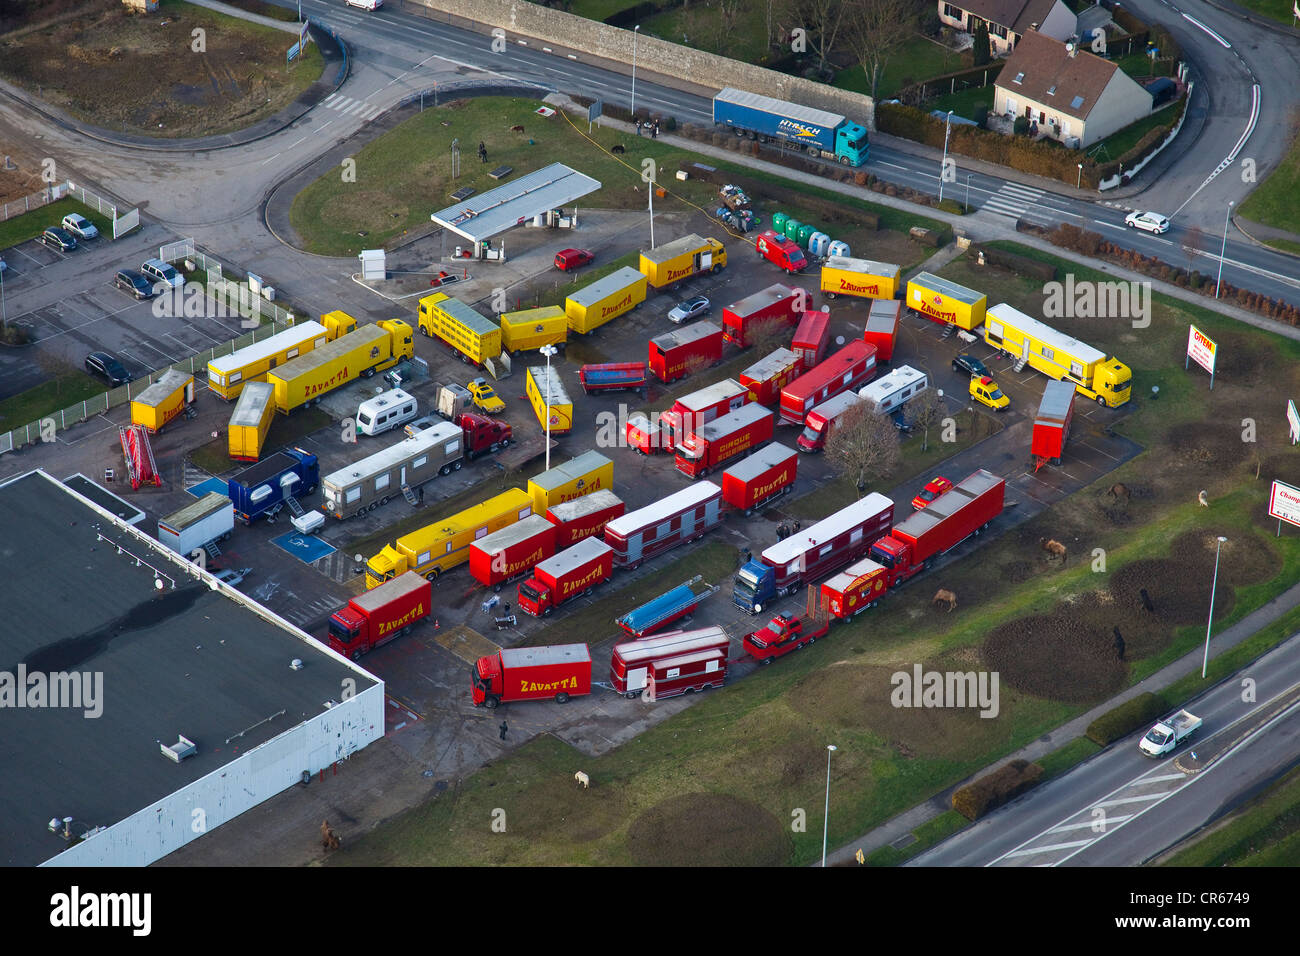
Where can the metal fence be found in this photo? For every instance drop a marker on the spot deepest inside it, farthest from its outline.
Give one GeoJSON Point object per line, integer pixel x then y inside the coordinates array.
{"type": "Point", "coordinates": [20, 207]}
{"type": "Point", "coordinates": [224, 290]}
{"type": "Point", "coordinates": [87, 198]}
{"type": "Point", "coordinates": [57, 191]}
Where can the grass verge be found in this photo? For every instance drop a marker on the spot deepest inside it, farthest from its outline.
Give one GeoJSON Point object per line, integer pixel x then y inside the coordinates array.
{"type": "Point", "coordinates": [1264, 832]}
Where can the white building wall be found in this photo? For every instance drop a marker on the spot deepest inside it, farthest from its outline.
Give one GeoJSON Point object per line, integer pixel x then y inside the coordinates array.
{"type": "Point", "coordinates": [1061, 23]}
{"type": "Point", "coordinates": [261, 773]}
{"type": "Point", "coordinates": [1122, 102]}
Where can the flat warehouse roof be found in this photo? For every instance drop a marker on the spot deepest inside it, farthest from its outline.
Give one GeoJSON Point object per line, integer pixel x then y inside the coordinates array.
{"type": "Point", "coordinates": [497, 210]}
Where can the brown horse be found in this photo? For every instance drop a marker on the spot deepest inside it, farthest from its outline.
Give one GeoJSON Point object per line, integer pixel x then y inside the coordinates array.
{"type": "Point", "coordinates": [1053, 547]}
{"type": "Point", "coordinates": [944, 596]}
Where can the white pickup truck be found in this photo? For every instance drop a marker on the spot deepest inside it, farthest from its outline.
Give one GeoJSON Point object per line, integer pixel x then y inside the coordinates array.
{"type": "Point", "coordinates": [1165, 736]}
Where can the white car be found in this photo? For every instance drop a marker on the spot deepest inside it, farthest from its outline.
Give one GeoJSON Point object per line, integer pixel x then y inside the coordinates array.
{"type": "Point", "coordinates": [80, 226]}
{"type": "Point", "coordinates": [689, 309]}
{"type": "Point", "coordinates": [1149, 221]}
{"type": "Point", "coordinates": [365, 4]}
{"type": "Point", "coordinates": [230, 576]}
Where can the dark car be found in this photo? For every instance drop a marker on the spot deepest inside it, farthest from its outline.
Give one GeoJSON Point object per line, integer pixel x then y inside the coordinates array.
{"type": "Point", "coordinates": [969, 364]}
{"type": "Point", "coordinates": [128, 280]}
{"type": "Point", "coordinates": [107, 368]}
{"type": "Point", "coordinates": [58, 238]}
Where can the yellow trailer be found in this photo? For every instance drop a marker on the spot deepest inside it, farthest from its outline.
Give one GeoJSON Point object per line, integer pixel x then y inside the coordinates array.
{"type": "Point", "coordinates": [163, 400]}
{"type": "Point", "coordinates": [444, 544]}
{"type": "Point", "coordinates": [251, 420]}
{"type": "Point", "coordinates": [337, 323]}
{"type": "Point", "coordinates": [589, 472]}
{"type": "Point", "coordinates": [530, 329]}
{"type": "Point", "coordinates": [681, 259]}
{"type": "Point", "coordinates": [474, 336]}
{"type": "Point", "coordinates": [945, 302]}
{"type": "Point", "coordinates": [592, 306]}
{"type": "Point", "coordinates": [865, 278]}
{"type": "Point", "coordinates": [228, 374]}
{"type": "Point", "coordinates": [1108, 381]}
{"type": "Point", "coordinates": [546, 392]}
{"type": "Point", "coordinates": [359, 354]}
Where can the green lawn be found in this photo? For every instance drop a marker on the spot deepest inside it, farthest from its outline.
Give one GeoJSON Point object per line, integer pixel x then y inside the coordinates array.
{"type": "Point", "coordinates": [929, 833]}
{"type": "Point", "coordinates": [1279, 10]}
{"type": "Point", "coordinates": [31, 224]}
{"type": "Point", "coordinates": [599, 9]}
{"type": "Point", "coordinates": [1068, 757]}
{"type": "Point", "coordinates": [66, 388]}
{"type": "Point", "coordinates": [697, 25]}
{"type": "Point", "coordinates": [1276, 201]}
{"type": "Point", "coordinates": [963, 102]}
{"type": "Point", "coordinates": [1265, 832]}
{"type": "Point", "coordinates": [1119, 143]}
{"type": "Point", "coordinates": [1285, 245]}
{"type": "Point", "coordinates": [918, 59]}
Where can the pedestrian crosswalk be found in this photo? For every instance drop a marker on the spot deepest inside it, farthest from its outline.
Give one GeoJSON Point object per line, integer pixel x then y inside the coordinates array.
{"type": "Point", "coordinates": [1013, 199]}
{"type": "Point", "coordinates": [347, 106]}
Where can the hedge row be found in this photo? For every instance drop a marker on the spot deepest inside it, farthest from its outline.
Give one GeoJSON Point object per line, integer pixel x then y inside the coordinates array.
{"type": "Point", "coordinates": [995, 789]}
{"type": "Point", "coordinates": [1142, 711]}
{"type": "Point", "coordinates": [1021, 265]}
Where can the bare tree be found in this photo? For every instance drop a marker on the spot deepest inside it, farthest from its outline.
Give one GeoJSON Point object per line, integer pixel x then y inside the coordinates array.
{"type": "Point", "coordinates": [824, 18]}
{"type": "Point", "coordinates": [863, 444]}
{"type": "Point", "coordinates": [1195, 245]}
{"type": "Point", "coordinates": [924, 412]}
{"type": "Point", "coordinates": [767, 334]}
{"type": "Point", "coordinates": [875, 31]}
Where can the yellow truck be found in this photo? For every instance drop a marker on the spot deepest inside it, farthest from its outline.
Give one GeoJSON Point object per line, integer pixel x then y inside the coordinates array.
{"type": "Point", "coordinates": [945, 302]}
{"type": "Point", "coordinates": [251, 420]}
{"type": "Point", "coordinates": [476, 337]}
{"type": "Point", "coordinates": [1108, 381]}
{"type": "Point", "coordinates": [530, 329]}
{"type": "Point", "coordinates": [865, 278]}
{"type": "Point", "coordinates": [163, 400]}
{"type": "Point", "coordinates": [681, 259]}
{"type": "Point", "coordinates": [337, 323]}
{"type": "Point", "coordinates": [444, 544]}
{"type": "Point", "coordinates": [359, 354]}
{"type": "Point", "coordinates": [592, 306]}
{"type": "Point", "coordinates": [228, 374]}
{"type": "Point", "coordinates": [546, 393]}
{"type": "Point", "coordinates": [589, 472]}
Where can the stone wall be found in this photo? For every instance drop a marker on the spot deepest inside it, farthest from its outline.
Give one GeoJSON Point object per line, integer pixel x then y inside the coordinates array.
{"type": "Point", "coordinates": [669, 59]}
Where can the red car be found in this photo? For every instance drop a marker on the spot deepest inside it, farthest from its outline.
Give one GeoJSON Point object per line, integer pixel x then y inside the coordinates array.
{"type": "Point", "coordinates": [934, 489]}
{"type": "Point", "coordinates": [567, 259]}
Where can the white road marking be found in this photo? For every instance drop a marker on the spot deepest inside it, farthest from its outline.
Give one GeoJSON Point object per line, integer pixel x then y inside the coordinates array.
{"type": "Point", "coordinates": [1222, 42]}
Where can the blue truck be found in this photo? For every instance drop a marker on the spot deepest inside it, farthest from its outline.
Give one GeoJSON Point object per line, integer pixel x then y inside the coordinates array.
{"type": "Point", "coordinates": [679, 602]}
{"type": "Point", "coordinates": [261, 490]}
{"type": "Point", "coordinates": [821, 133]}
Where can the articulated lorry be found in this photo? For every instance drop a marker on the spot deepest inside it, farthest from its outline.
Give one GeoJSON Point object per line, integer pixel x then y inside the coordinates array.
{"type": "Point", "coordinates": [819, 132]}
{"type": "Point", "coordinates": [359, 354]}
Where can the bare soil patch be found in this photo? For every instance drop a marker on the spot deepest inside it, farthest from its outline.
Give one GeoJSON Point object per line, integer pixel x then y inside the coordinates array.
{"type": "Point", "coordinates": [559, 810]}
{"type": "Point", "coordinates": [707, 829]}
{"type": "Point", "coordinates": [1056, 656]}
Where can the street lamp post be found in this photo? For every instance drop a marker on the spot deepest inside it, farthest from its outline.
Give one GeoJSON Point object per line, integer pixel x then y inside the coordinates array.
{"type": "Point", "coordinates": [1079, 182]}
{"type": "Point", "coordinates": [826, 814]}
{"type": "Point", "coordinates": [1223, 248]}
{"type": "Point", "coordinates": [947, 128]}
{"type": "Point", "coordinates": [968, 192]}
{"type": "Point", "coordinates": [1205, 662]}
{"type": "Point", "coordinates": [636, 31]}
{"type": "Point", "coordinates": [548, 351]}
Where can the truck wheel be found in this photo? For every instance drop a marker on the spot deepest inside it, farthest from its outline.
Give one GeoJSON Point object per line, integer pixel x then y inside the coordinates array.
{"type": "Point", "coordinates": [561, 698]}
{"type": "Point", "coordinates": [977, 531]}
{"type": "Point", "coordinates": [758, 609]}
{"type": "Point", "coordinates": [812, 640]}
{"type": "Point", "coordinates": [384, 500]}
{"type": "Point", "coordinates": [1101, 401]}
{"type": "Point", "coordinates": [547, 612]}
{"type": "Point", "coordinates": [765, 661]}
{"type": "Point", "coordinates": [360, 512]}
{"type": "Point", "coordinates": [716, 269]}
{"type": "Point", "coordinates": [505, 442]}
{"type": "Point", "coordinates": [368, 373]}
{"type": "Point", "coordinates": [832, 295]}
{"type": "Point", "coordinates": [356, 655]}
{"type": "Point", "coordinates": [704, 473]}
{"type": "Point", "coordinates": [631, 695]}
{"type": "Point", "coordinates": [844, 160]}
{"type": "Point", "coordinates": [456, 466]}
{"type": "Point", "coordinates": [491, 702]}
{"type": "Point", "coordinates": [432, 575]}
{"type": "Point", "coordinates": [445, 470]}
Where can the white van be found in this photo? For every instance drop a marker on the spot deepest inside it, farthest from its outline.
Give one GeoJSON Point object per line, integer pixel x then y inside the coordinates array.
{"type": "Point", "coordinates": [386, 410]}
{"type": "Point", "coordinates": [158, 271]}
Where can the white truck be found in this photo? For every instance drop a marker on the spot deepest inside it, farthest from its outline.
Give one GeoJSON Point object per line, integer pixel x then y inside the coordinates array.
{"type": "Point", "coordinates": [1166, 735]}
{"type": "Point", "coordinates": [198, 524]}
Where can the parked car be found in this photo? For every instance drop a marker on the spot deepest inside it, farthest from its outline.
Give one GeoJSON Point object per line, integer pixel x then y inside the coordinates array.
{"type": "Point", "coordinates": [128, 280]}
{"type": "Point", "coordinates": [80, 226]}
{"type": "Point", "coordinates": [1147, 221]}
{"type": "Point", "coordinates": [567, 259]}
{"type": "Point", "coordinates": [970, 365]}
{"type": "Point", "coordinates": [59, 238]}
{"type": "Point", "coordinates": [689, 309]}
{"type": "Point", "coordinates": [986, 391]}
{"type": "Point", "coordinates": [420, 424]}
{"type": "Point", "coordinates": [933, 489]}
{"type": "Point", "coordinates": [158, 271]}
{"type": "Point", "coordinates": [107, 368]}
{"type": "Point", "coordinates": [230, 576]}
{"type": "Point", "coordinates": [485, 396]}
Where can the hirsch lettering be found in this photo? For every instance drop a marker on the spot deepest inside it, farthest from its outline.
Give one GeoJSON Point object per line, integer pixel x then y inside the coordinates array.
{"type": "Point", "coordinates": [405, 619]}
{"type": "Point", "coordinates": [799, 129]}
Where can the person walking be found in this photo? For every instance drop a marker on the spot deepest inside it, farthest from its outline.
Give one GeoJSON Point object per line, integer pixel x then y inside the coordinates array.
{"type": "Point", "coordinates": [638, 127]}
{"type": "Point", "coordinates": [503, 729]}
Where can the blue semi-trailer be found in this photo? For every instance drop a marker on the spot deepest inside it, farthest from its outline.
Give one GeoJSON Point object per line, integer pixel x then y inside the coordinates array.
{"type": "Point", "coordinates": [817, 131]}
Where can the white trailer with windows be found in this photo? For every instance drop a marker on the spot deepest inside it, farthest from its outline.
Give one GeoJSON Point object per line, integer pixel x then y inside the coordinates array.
{"type": "Point", "coordinates": [411, 462]}
{"type": "Point", "coordinates": [901, 385]}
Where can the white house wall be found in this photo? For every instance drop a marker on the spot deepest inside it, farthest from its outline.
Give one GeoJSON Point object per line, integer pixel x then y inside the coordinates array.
{"type": "Point", "coordinates": [1122, 102]}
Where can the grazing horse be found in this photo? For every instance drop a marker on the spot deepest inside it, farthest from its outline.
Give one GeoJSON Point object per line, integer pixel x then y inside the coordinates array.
{"type": "Point", "coordinates": [583, 779]}
{"type": "Point", "coordinates": [944, 596]}
{"type": "Point", "coordinates": [328, 840]}
{"type": "Point", "coordinates": [1053, 547]}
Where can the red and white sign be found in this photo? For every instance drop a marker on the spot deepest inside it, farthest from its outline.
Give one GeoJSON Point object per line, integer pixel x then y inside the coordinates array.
{"type": "Point", "coordinates": [1284, 503]}
{"type": "Point", "coordinates": [1201, 349]}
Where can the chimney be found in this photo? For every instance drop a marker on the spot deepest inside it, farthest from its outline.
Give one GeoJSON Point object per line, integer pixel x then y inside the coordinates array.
{"type": "Point", "coordinates": [1033, 26]}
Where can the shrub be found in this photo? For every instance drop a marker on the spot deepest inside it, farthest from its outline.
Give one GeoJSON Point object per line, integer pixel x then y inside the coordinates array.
{"type": "Point", "coordinates": [670, 123]}
{"type": "Point", "coordinates": [1021, 126]}
{"type": "Point", "coordinates": [1021, 265]}
{"type": "Point", "coordinates": [1142, 711]}
{"type": "Point", "coordinates": [995, 789]}
{"type": "Point", "coordinates": [981, 115]}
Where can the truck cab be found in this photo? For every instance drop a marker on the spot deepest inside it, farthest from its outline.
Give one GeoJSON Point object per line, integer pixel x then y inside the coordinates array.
{"type": "Point", "coordinates": [536, 598]}
{"type": "Point", "coordinates": [347, 633]}
{"type": "Point", "coordinates": [780, 251]}
{"type": "Point", "coordinates": [782, 635]}
{"type": "Point", "coordinates": [1112, 383]}
{"type": "Point", "coordinates": [487, 682]}
{"type": "Point", "coordinates": [483, 434]}
{"type": "Point", "coordinates": [896, 557]}
{"type": "Point", "coordinates": [755, 585]}
{"type": "Point", "coordinates": [851, 144]}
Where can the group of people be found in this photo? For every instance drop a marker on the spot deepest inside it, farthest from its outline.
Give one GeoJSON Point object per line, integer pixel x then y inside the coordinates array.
{"type": "Point", "coordinates": [651, 127]}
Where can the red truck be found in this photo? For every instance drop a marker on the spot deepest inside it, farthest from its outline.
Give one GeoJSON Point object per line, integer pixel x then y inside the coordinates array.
{"type": "Point", "coordinates": [692, 411]}
{"type": "Point", "coordinates": [821, 421]}
{"type": "Point", "coordinates": [583, 517]}
{"type": "Point", "coordinates": [682, 516]}
{"type": "Point", "coordinates": [573, 571]}
{"type": "Point", "coordinates": [765, 378]}
{"type": "Point", "coordinates": [672, 663]}
{"type": "Point", "coordinates": [782, 635]}
{"type": "Point", "coordinates": [854, 589]}
{"type": "Point", "coordinates": [850, 367]}
{"type": "Point", "coordinates": [512, 551]}
{"type": "Point", "coordinates": [882, 326]}
{"type": "Point", "coordinates": [483, 434]}
{"type": "Point", "coordinates": [947, 521]}
{"type": "Point", "coordinates": [723, 439]}
{"type": "Point", "coordinates": [645, 436]}
{"type": "Point", "coordinates": [676, 354]}
{"type": "Point", "coordinates": [776, 305]}
{"type": "Point", "coordinates": [811, 338]}
{"type": "Point", "coordinates": [613, 377]}
{"type": "Point", "coordinates": [780, 251]}
{"type": "Point", "coordinates": [1052, 423]}
{"type": "Point", "coordinates": [376, 617]}
{"type": "Point", "coordinates": [559, 671]}
{"type": "Point", "coordinates": [759, 479]}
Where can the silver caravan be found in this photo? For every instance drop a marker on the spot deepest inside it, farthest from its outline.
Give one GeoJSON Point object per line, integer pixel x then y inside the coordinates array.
{"type": "Point", "coordinates": [372, 481]}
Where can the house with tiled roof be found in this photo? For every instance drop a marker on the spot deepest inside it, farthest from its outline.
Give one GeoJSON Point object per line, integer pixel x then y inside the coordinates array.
{"type": "Point", "coordinates": [1073, 95]}
{"type": "Point", "coordinates": [1009, 20]}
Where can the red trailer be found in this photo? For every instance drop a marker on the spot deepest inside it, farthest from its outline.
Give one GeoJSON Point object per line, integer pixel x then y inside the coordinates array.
{"type": "Point", "coordinates": [776, 305]}
{"type": "Point", "coordinates": [780, 251]}
{"type": "Point", "coordinates": [946, 522]}
{"type": "Point", "coordinates": [850, 367]}
{"type": "Point", "coordinates": [811, 338]}
{"type": "Point", "coordinates": [763, 476]}
{"type": "Point", "coordinates": [512, 551]}
{"type": "Point", "coordinates": [678, 353]}
{"type": "Point", "coordinates": [651, 530]}
{"type": "Point", "coordinates": [1052, 423]}
{"type": "Point", "coordinates": [723, 439]}
{"type": "Point", "coordinates": [583, 517]}
{"type": "Point", "coordinates": [698, 658]}
{"type": "Point", "coordinates": [766, 377]}
{"type": "Point", "coordinates": [559, 671]}
{"type": "Point", "coordinates": [646, 436]}
{"type": "Point", "coordinates": [854, 589]}
{"type": "Point", "coordinates": [613, 377]}
{"type": "Point", "coordinates": [573, 571]}
{"type": "Point", "coordinates": [699, 408]}
{"type": "Point", "coordinates": [882, 326]}
{"type": "Point", "coordinates": [376, 617]}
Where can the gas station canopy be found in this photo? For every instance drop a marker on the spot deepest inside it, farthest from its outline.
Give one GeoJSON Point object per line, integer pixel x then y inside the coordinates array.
{"type": "Point", "coordinates": [495, 211]}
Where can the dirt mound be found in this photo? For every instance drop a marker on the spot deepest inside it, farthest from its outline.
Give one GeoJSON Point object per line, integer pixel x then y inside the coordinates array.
{"type": "Point", "coordinates": [1240, 361]}
{"type": "Point", "coordinates": [1180, 594]}
{"type": "Point", "coordinates": [558, 810]}
{"type": "Point", "coordinates": [707, 829]}
{"type": "Point", "coordinates": [1057, 656]}
{"type": "Point", "coordinates": [1246, 560]}
{"type": "Point", "coordinates": [1015, 572]}
{"type": "Point", "coordinates": [1205, 444]}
